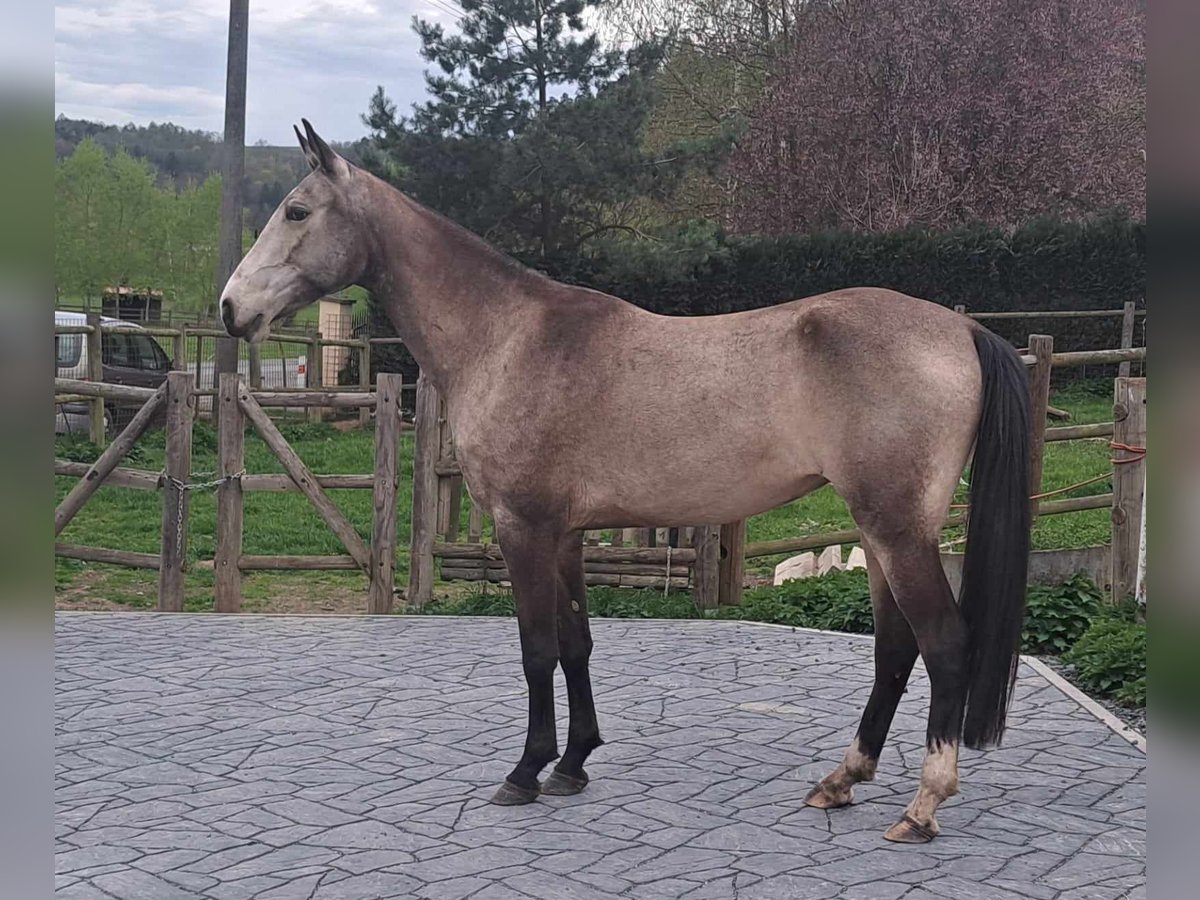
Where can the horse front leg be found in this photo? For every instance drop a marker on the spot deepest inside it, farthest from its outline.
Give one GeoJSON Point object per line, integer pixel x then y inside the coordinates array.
{"type": "Point", "coordinates": [574, 651]}
{"type": "Point", "coordinates": [530, 554]}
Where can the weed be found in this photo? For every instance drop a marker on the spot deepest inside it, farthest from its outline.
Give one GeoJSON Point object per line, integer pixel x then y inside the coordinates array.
{"type": "Point", "coordinates": [1055, 617]}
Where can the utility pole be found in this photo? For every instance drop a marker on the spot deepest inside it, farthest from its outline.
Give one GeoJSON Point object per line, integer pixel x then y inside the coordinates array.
{"type": "Point", "coordinates": [233, 168]}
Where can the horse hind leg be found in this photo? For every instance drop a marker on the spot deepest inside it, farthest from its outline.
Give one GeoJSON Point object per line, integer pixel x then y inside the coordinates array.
{"type": "Point", "coordinates": [913, 569]}
{"type": "Point", "coordinates": [895, 654]}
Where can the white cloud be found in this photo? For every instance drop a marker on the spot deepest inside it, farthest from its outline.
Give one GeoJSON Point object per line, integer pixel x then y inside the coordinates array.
{"type": "Point", "coordinates": [186, 105]}
{"type": "Point", "coordinates": [134, 60]}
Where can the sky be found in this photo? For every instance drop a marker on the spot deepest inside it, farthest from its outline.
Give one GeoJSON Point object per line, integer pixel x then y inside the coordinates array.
{"type": "Point", "coordinates": [119, 61]}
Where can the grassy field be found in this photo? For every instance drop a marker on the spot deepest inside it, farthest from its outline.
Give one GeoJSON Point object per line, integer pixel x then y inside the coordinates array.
{"type": "Point", "coordinates": [279, 523]}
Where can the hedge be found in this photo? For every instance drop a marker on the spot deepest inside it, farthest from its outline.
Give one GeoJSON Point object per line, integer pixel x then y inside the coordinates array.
{"type": "Point", "coordinates": [1043, 265]}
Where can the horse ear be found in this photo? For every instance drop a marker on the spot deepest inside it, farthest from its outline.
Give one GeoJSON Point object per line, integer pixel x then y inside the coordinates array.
{"type": "Point", "coordinates": [311, 157]}
{"type": "Point", "coordinates": [328, 161]}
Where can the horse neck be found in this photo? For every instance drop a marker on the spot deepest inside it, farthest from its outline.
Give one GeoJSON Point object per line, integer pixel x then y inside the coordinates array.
{"type": "Point", "coordinates": [450, 296]}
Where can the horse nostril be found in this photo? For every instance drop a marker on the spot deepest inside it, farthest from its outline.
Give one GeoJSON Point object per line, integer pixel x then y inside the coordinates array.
{"type": "Point", "coordinates": [227, 313]}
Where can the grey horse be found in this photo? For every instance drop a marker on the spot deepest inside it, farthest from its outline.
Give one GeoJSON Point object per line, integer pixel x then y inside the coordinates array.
{"type": "Point", "coordinates": [567, 414]}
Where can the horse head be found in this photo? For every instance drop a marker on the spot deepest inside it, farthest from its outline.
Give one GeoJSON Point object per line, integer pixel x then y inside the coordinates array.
{"type": "Point", "coordinates": [312, 245]}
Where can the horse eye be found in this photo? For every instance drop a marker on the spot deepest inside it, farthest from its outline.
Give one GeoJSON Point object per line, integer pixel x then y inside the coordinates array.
{"type": "Point", "coordinates": [296, 213]}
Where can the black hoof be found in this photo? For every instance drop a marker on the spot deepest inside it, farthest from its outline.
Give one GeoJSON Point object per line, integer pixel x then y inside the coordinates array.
{"type": "Point", "coordinates": [562, 785]}
{"type": "Point", "coordinates": [509, 794]}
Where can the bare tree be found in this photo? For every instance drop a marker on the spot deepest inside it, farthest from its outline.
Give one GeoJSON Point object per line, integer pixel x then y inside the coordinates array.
{"type": "Point", "coordinates": [933, 112]}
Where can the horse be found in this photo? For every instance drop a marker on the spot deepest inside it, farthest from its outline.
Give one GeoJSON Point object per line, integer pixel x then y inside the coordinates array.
{"type": "Point", "coordinates": [567, 415]}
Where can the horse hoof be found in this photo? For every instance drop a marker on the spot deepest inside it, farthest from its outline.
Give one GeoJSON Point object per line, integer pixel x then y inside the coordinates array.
{"type": "Point", "coordinates": [562, 785]}
{"type": "Point", "coordinates": [909, 831]}
{"type": "Point", "coordinates": [823, 797]}
{"type": "Point", "coordinates": [509, 794]}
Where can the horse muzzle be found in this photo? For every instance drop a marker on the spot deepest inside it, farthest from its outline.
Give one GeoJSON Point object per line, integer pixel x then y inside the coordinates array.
{"type": "Point", "coordinates": [247, 328]}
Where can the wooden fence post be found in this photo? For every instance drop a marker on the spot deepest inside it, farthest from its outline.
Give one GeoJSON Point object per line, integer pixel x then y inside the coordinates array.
{"type": "Point", "coordinates": [450, 488]}
{"type": "Point", "coordinates": [200, 359]}
{"type": "Point", "coordinates": [426, 444]}
{"type": "Point", "coordinates": [1128, 319]}
{"type": "Point", "coordinates": [1041, 346]}
{"type": "Point", "coordinates": [706, 540]}
{"type": "Point", "coordinates": [732, 563]}
{"type": "Point", "coordinates": [95, 372]}
{"type": "Point", "coordinates": [474, 523]}
{"type": "Point", "coordinates": [364, 380]}
{"type": "Point", "coordinates": [383, 534]}
{"type": "Point", "coordinates": [1139, 592]}
{"type": "Point", "coordinates": [180, 403]}
{"type": "Point", "coordinates": [1129, 482]}
{"type": "Point", "coordinates": [179, 350]}
{"type": "Point", "coordinates": [254, 364]}
{"type": "Point", "coordinates": [231, 460]}
{"type": "Point", "coordinates": [316, 376]}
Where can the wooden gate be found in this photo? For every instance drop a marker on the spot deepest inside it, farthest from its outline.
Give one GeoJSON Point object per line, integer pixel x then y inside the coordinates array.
{"type": "Point", "coordinates": [236, 405]}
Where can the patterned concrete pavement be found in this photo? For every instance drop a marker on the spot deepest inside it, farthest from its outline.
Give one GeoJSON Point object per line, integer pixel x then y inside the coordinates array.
{"type": "Point", "coordinates": [350, 759]}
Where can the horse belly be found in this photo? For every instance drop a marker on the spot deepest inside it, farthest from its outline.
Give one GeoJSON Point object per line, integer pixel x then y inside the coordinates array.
{"type": "Point", "coordinates": [675, 490]}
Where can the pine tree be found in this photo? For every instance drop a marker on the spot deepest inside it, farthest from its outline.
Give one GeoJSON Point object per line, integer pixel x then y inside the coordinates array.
{"type": "Point", "coordinates": [532, 134]}
{"type": "Point", "coordinates": [498, 75]}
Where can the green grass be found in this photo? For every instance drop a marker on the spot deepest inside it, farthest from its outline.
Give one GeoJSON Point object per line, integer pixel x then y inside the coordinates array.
{"type": "Point", "coordinates": [276, 523]}
{"type": "Point", "coordinates": [285, 523]}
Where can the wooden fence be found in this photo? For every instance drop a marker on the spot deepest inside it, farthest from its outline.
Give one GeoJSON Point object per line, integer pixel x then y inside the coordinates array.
{"type": "Point", "coordinates": [711, 558]}
{"type": "Point", "coordinates": [237, 404]}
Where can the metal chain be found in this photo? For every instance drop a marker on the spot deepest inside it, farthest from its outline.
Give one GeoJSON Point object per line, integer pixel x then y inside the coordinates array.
{"type": "Point", "coordinates": [181, 493]}
{"type": "Point", "coordinates": [202, 485]}
{"type": "Point", "coordinates": [182, 487]}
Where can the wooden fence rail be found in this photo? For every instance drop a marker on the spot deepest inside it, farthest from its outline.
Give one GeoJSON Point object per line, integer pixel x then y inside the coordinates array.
{"type": "Point", "coordinates": [1130, 312]}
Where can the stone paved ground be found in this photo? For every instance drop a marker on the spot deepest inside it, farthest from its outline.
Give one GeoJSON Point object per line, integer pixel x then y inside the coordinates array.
{"type": "Point", "coordinates": [350, 759]}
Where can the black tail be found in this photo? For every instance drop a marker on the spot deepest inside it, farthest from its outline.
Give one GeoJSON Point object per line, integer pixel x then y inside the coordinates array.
{"type": "Point", "coordinates": [992, 598]}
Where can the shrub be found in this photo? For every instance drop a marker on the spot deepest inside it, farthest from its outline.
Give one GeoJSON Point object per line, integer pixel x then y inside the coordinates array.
{"type": "Point", "coordinates": [1110, 659]}
{"type": "Point", "coordinates": [77, 448]}
{"type": "Point", "coordinates": [1055, 617]}
{"type": "Point", "coordinates": [622, 603]}
{"type": "Point", "coordinates": [491, 603]}
{"type": "Point", "coordinates": [204, 436]}
{"type": "Point", "coordinates": [836, 601]}
{"type": "Point", "coordinates": [295, 432]}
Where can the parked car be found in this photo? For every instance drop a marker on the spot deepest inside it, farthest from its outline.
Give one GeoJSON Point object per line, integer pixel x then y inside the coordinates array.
{"type": "Point", "coordinates": [129, 356]}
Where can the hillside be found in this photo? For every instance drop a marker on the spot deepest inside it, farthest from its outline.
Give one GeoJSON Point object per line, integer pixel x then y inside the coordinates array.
{"type": "Point", "coordinates": [181, 157]}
